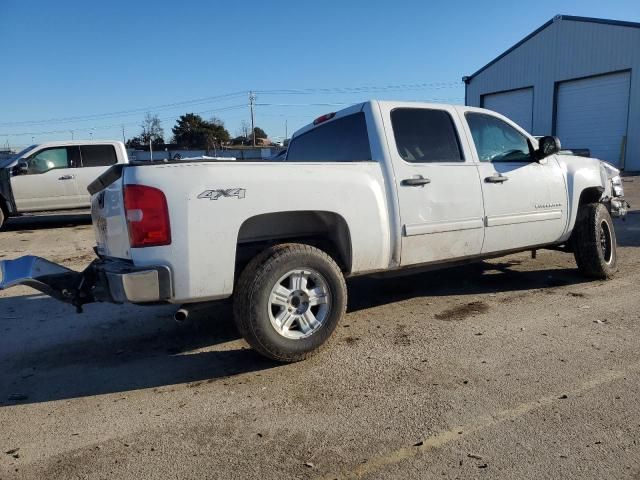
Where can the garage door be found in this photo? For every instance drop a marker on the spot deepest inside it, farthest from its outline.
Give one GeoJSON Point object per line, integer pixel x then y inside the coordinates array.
{"type": "Point", "coordinates": [592, 113]}
{"type": "Point", "coordinates": [516, 105]}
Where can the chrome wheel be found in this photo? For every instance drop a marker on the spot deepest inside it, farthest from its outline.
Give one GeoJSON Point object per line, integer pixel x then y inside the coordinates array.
{"type": "Point", "coordinates": [299, 303]}
{"type": "Point", "coordinates": [606, 242]}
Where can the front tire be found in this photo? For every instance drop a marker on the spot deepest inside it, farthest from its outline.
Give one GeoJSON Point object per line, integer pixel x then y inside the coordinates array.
{"type": "Point", "coordinates": [2, 218]}
{"type": "Point", "coordinates": [594, 242]}
{"type": "Point", "coordinates": [289, 300]}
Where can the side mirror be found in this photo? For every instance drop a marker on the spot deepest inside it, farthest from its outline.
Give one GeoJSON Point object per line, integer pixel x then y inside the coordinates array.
{"type": "Point", "coordinates": [22, 168]}
{"type": "Point", "coordinates": [548, 146]}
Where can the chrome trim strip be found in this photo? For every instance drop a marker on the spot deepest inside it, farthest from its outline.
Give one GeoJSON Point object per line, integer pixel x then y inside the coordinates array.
{"type": "Point", "coordinates": [511, 219]}
{"type": "Point", "coordinates": [442, 227]}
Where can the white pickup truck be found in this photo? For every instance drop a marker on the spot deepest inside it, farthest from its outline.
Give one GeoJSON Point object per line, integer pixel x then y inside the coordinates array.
{"type": "Point", "coordinates": [375, 188]}
{"type": "Point", "coordinates": [54, 175]}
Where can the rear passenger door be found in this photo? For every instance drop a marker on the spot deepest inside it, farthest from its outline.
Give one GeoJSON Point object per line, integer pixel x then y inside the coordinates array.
{"type": "Point", "coordinates": [94, 160]}
{"type": "Point", "coordinates": [438, 186]}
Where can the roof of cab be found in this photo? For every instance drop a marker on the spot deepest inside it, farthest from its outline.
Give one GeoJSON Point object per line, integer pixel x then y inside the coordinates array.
{"type": "Point", "coordinates": [358, 107]}
{"type": "Point", "coordinates": [60, 143]}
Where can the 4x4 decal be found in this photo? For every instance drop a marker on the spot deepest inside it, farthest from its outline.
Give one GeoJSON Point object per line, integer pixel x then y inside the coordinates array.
{"type": "Point", "coordinates": [238, 193]}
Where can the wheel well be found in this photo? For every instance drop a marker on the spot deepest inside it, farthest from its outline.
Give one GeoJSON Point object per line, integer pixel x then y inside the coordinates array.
{"type": "Point", "coordinates": [590, 195]}
{"type": "Point", "coordinates": [325, 230]}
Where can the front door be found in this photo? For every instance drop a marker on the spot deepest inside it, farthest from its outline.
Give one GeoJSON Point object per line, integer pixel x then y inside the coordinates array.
{"type": "Point", "coordinates": [438, 185]}
{"type": "Point", "coordinates": [48, 182]}
{"type": "Point", "coordinates": [525, 201]}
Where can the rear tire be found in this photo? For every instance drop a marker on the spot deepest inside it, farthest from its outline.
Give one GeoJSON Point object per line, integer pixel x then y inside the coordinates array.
{"type": "Point", "coordinates": [289, 300]}
{"type": "Point", "coordinates": [594, 242]}
{"type": "Point", "coordinates": [2, 218]}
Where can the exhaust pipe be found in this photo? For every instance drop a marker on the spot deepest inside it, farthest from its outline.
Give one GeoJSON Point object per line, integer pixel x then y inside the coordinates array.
{"type": "Point", "coordinates": [181, 315]}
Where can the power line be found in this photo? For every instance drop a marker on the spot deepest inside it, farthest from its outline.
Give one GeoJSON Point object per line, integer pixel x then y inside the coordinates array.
{"type": "Point", "coordinates": [120, 124]}
{"type": "Point", "coordinates": [341, 104]}
{"type": "Point", "coordinates": [121, 113]}
{"type": "Point", "coordinates": [232, 95]}
{"type": "Point", "coordinates": [364, 89]}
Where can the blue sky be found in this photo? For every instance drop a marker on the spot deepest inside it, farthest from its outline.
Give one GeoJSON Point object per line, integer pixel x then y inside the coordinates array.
{"type": "Point", "coordinates": [68, 59]}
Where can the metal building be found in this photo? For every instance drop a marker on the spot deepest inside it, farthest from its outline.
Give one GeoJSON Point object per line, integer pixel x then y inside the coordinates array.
{"type": "Point", "coordinates": [574, 77]}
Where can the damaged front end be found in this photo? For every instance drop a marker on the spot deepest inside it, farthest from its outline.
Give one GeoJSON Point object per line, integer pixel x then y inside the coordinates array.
{"type": "Point", "coordinates": [613, 195]}
{"type": "Point", "coordinates": [102, 281]}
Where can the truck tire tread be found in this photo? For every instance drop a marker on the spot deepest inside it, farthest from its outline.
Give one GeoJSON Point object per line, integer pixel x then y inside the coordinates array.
{"type": "Point", "coordinates": [251, 284]}
{"type": "Point", "coordinates": [586, 249]}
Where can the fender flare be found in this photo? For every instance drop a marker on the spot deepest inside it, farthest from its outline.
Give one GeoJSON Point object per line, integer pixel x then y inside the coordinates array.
{"type": "Point", "coordinates": [583, 184]}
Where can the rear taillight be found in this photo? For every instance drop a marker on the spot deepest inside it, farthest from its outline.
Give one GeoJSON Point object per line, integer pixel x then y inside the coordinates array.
{"type": "Point", "coordinates": [147, 216]}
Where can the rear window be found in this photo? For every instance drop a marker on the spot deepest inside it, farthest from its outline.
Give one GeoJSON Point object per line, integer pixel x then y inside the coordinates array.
{"type": "Point", "coordinates": [342, 140]}
{"type": "Point", "coordinates": [98, 155]}
{"type": "Point", "coordinates": [425, 135]}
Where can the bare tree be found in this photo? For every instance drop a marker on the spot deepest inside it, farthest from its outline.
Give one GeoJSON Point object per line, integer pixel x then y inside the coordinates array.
{"type": "Point", "coordinates": [152, 129]}
{"type": "Point", "coordinates": [216, 121]}
{"type": "Point", "coordinates": [245, 129]}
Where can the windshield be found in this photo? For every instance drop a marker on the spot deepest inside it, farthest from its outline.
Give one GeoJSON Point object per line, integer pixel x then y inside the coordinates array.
{"type": "Point", "coordinates": [12, 158]}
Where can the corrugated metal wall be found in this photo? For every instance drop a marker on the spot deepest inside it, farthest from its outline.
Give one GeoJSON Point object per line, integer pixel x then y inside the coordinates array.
{"type": "Point", "coordinates": [565, 50]}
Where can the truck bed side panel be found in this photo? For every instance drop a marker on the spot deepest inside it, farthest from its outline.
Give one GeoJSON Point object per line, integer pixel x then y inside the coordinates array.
{"type": "Point", "coordinates": [206, 212]}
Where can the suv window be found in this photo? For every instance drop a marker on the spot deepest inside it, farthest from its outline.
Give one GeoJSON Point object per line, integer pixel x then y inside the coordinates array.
{"type": "Point", "coordinates": [496, 140]}
{"type": "Point", "coordinates": [342, 140]}
{"type": "Point", "coordinates": [50, 158]}
{"type": "Point", "coordinates": [98, 155]}
{"type": "Point", "coordinates": [425, 135]}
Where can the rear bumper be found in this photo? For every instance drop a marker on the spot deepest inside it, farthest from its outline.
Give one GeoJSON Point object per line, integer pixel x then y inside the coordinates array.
{"type": "Point", "coordinates": [102, 281]}
{"type": "Point", "coordinates": [124, 283]}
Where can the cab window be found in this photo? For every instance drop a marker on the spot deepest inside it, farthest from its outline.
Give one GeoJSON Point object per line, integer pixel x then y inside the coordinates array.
{"type": "Point", "coordinates": [425, 135]}
{"type": "Point", "coordinates": [341, 140]}
{"type": "Point", "coordinates": [496, 140]}
{"type": "Point", "coordinates": [98, 155]}
{"type": "Point", "coordinates": [50, 159]}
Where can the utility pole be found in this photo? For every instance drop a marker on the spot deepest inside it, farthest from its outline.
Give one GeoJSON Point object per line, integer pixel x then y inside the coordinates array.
{"type": "Point", "coordinates": [151, 146]}
{"type": "Point", "coordinates": [285, 129]}
{"type": "Point", "coordinates": [71, 134]}
{"type": "Point", "coordinates": [252, 99]}
{"type": "Point", "coordinates": [123, 140]}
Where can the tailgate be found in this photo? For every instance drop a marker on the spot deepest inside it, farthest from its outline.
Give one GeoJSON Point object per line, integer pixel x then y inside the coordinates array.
{"type": "Point", "coordinates": [108, 216]}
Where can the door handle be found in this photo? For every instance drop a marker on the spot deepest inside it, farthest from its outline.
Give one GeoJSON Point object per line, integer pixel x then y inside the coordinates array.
{"type": "Point", "coordinates": [418, 181]}
{"type": "Point", "coordinates": [66, 177]}
{"type": "Point", "coordinates": [496, 179]}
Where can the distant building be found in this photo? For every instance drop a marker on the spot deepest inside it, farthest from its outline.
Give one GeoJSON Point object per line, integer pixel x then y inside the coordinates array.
{"type": "Point", "coordinates": [574, 77]}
